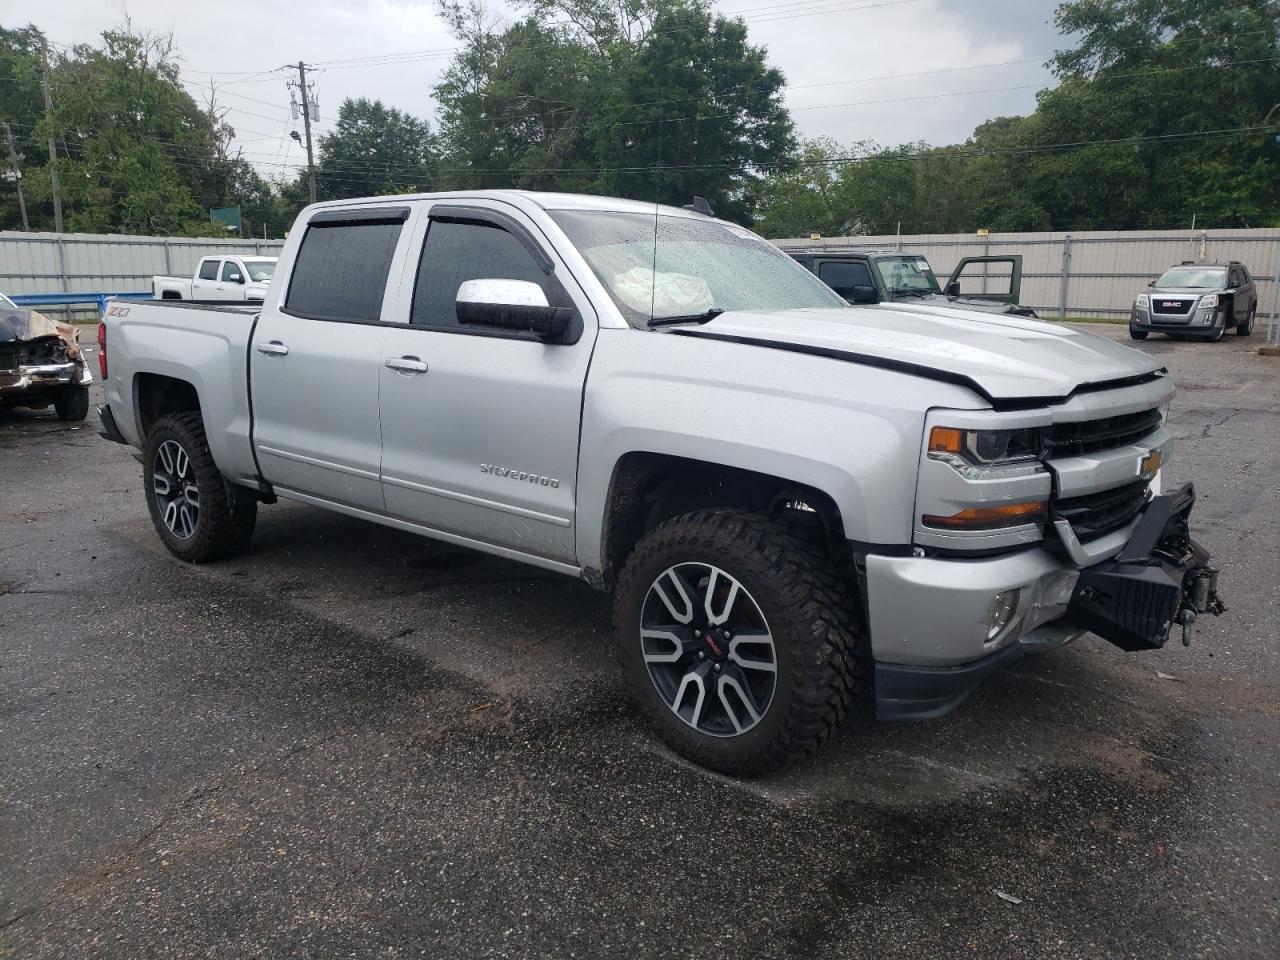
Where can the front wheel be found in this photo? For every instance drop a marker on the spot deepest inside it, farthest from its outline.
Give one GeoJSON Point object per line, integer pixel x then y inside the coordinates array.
{"type": "Point", "coordinates": [191, 506]}
{"type": "Point", "coordinates": [1246, 328]}
{"type": "Point", "coordinates": [1138, 334]}
{"type": "Point", "coordinates": [739, 641]}
{"type": "Point", "coordinates": [72, 402]}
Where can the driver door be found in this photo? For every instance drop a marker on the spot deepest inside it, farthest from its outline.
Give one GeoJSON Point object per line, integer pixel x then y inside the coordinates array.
{"type": "Point", "coordinates": [480, 427]}
{"type": "Point", "coordinates": [998, 279]}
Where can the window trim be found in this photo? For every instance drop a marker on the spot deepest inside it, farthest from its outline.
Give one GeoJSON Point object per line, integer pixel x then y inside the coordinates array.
{"type": "Point", "coordinates": [363, 216]}
{"type": "Point", "coordinates": [457, 213]}
{"type": "Point", "coordinates": [342, 217]}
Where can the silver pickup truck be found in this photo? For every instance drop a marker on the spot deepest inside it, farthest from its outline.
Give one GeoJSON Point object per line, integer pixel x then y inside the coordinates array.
{"type": "Point", "coordinates": [793, 501]}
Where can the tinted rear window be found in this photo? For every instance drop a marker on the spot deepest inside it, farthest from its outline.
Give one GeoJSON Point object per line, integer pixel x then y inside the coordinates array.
{"type": "Point", "coordinates": [209, 270]}
{"type": "Point", "coordinates": [341, 271]}
{"type": "Point", "coordinates": [844, 276]}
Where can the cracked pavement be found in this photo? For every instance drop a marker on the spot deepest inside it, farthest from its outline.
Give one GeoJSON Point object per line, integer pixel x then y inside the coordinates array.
{"type": "Point", "coordinates": [351, 741]}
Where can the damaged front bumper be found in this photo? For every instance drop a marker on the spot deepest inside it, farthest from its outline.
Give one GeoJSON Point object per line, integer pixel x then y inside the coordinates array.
{"type": "Point", "coordinates": [934, 612]}
{"type": "Point", "coordinates": [34, 381]}
{"type": "Point", "coordinates": [1161, 577]}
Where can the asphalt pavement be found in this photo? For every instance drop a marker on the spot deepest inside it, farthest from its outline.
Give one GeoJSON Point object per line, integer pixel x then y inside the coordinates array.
{"type": "Point", "coordinates": [352, 742]}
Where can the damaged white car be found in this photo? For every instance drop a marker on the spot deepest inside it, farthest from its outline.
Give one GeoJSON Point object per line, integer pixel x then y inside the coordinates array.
{"type": "Point", "coordinates": [41, 363]}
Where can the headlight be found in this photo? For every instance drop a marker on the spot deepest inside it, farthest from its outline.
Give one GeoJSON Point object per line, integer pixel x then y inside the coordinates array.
{"type": "Point", "coordinates": [1143, 301]}
{"type": "Point", "coordinates": [1209, 300]}
{"type": "Point", "coordinates": [979, 454]}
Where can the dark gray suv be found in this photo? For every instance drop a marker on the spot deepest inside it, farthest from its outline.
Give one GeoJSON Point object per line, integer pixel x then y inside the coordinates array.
{"type": "Point", "coordinates": [1197, 300]}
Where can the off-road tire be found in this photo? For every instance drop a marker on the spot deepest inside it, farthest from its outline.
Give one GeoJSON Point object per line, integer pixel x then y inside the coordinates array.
{"type": "Point", "coordinates": [1246, 328]}
{"type": "Point", "coordinates": [1138, 334]}
{"type": "Point", "coordinates": [812, 615]}
{"type": "Point", "coordinates": [72, 402]}
{"type": "Point", "coordinates": [224, 526]}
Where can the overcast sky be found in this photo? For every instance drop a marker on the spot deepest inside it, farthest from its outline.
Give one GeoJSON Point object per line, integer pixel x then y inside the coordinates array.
{"type": "Point", "coordinates": [831, 51]}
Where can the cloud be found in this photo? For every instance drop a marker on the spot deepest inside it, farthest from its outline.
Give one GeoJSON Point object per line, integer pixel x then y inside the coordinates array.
{"type": "Point", "coordinates": [238, 43]}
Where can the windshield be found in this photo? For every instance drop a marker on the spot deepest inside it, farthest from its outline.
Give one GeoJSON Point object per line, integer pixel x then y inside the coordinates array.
{"type": "Point", "coordinates": [1201, 277]}
{"type": "Point", "coordinates": [260, 271]}
{"type": "Point", "coordinates": [907, 274]}
{"type": "Point", "coordinates": [701, 266]}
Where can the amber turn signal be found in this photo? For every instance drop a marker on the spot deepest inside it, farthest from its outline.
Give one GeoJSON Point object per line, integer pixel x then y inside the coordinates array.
{"type": "Point", "coordinates": [946, 440]}
{"type": "Point", "coordinates": [989, 518]}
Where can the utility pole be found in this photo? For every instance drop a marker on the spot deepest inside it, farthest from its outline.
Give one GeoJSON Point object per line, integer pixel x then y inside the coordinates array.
{"type": "Point", "coordinates": [16, 172]}
{"type": "Point", "coordinates": [53, 152]}
{"type": "Point", "coordinates": [305, 94]}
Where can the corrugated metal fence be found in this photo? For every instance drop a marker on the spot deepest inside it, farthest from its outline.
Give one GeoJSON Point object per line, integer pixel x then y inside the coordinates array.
{"type": "Point", "coordinates": [1064, 274]}
{"type": "Point", "coordinates": [92, 262]}
{"type": "Point", "coordinates": [1084, 274]}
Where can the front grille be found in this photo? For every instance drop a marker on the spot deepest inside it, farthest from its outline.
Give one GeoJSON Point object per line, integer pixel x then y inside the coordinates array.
{"type": "Point", "coordinates": [1096, 514]}
{"type": "Point", "coordinates": [1170, 305]}
{"type": "Point", "coordinates": [1095, 436]}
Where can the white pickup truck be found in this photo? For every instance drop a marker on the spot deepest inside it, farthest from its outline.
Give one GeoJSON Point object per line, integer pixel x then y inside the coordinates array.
{"type": "Point", "coordinates": [794, 501]}
{"type": "Point", "coordinates": [219, 278]}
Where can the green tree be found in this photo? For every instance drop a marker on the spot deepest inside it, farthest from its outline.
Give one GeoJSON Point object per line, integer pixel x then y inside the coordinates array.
{"type": "Point", "coordinates": [799, 198]}
{"type": "Point", "coordinates": [375, 149]}
{"type": "Point", "coordinates": [646, 99]}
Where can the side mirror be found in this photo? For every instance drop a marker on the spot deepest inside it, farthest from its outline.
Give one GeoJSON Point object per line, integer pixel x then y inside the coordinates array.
{"type": "Point", "coordinates": [237, 278]}
{"type": "Point", "coordinates": [1151, 283]}
{"type": "Point", "coordinates": [512, 305]}
{"type": "Point", "coordinates": [953, 289]}
{"type": "Point", "coordinates": [859, 294]}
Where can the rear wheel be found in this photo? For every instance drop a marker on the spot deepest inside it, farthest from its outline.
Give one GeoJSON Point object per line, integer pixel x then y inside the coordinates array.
{"type": "Point", "coordinates": [1246, 328]}
{"type": "Point", "coordinates": [191, 506]}
{"type": "Point", "coordinates": [738, 640]}
{"type": "Point", "coordinates": [72, 402]}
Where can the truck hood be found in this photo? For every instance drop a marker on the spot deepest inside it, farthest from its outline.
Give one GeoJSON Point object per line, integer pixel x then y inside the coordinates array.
{"type": "Point", "coordinates": [1184, 291]}
{"type": "Point", "coordinates": [18, 324]}
{"type": "Point", "coordinates": [1003, 358]}
{"type": "Point", "coordinates": [938, 302]}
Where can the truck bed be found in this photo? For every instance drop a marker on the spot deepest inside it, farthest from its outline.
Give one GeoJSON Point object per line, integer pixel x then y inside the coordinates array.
{"type": "Point", "coordinates": [205, 344]}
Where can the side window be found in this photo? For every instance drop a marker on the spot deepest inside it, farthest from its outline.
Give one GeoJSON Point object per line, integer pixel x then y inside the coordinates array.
{"type": "Point", "coordinates": [459, 250]}
{"type": "Point", "coordinates": [843, 276]}
{"type": "Point", "coordinates": [341, 269]}
{"type": "Point", "coordinates": [231, 271]}
{"type": "Point", "coordinates": [209, 269]}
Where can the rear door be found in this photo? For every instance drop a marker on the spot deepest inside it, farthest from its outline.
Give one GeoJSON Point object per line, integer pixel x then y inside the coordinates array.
{"type": "Point", "coordinates": [205, 284]}
{"type": "Point", "coordinates": [315, 358]}
{"type": "Point", "coordinates": [480, 428]}
{"type": "Point", "coordinates": [998, 279]}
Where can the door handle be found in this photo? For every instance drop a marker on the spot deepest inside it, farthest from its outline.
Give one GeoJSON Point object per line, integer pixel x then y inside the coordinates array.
{"type": "Point", "coordinates": [406, 364]}
{"type": "Point", "coordinates": [273, 349]}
